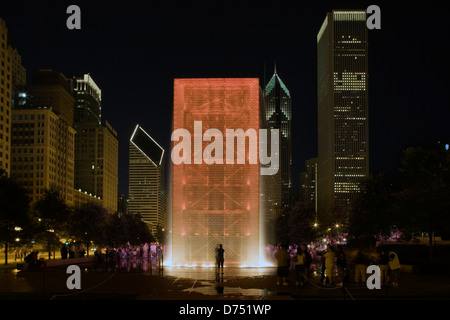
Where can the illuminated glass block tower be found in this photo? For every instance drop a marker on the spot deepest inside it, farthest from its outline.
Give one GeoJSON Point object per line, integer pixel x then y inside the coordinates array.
{"type": "Point", "coordinates": [146, 179]}
{"type": "Point", "coordinates": [215, 203]}
{"type": "Point", "coordinates": [343, 108]}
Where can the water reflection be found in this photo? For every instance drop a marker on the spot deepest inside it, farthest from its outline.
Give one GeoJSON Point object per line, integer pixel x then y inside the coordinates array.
{"type": "Point", "coordinates": [210, 282]}
{"type": "Point", "coordinates": [134, 264]}
{"type": "Point", "coordinates": [219, 281]}
{"type": "Point", "coordinates": [206, 280]}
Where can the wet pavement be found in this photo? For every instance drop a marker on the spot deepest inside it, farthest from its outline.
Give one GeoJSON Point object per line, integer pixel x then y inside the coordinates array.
{"type": "Point", "coordinates": [139, 282]}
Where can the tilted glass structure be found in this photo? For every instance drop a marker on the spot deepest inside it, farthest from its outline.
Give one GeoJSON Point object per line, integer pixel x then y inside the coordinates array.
{"type": "Point", "coordinates": [343, 108]}
{"type": "Point", "coordinates": [215, 203]}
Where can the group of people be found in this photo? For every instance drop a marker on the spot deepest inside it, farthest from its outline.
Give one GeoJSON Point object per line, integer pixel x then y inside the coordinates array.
{"type": "Point", "coordinates": [33, 260]}
{"type": "Point", "coordinates": [333, 259]}
{"type": "Point", "coordinates": [387, 260]}
{"type": "Point", "coordinates": [301, 258]}
{"type": "Point", "coordinates": [122, 257]}
{"type": "Point", "coordinates": [72, 251]}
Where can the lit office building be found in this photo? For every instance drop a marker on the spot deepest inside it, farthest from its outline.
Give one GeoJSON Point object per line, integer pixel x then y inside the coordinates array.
{"type": "Point", "coordinates": [5, 99]}
{"type": "Point", "coordinates": [343, 109]}
{"type": "Point", "coordinates": [53, 90]}
{"type": "Point", "coordinates": [96, 145]}
{"type": "Point", "coordinates": [308, 184]}
{"type": "Point", "coordinates": [97, 161]}
{"type": "Point", "coordinates": [146, 180]}
{"type": "Point", "coordinates": [42, 153]}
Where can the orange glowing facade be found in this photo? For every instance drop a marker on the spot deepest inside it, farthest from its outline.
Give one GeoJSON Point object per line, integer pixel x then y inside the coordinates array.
{"type": "Point", "coordinates": [216, 203]}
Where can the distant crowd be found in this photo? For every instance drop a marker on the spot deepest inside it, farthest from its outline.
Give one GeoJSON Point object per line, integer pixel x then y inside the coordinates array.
{"type": "Point", "coordinates": [335, 265]}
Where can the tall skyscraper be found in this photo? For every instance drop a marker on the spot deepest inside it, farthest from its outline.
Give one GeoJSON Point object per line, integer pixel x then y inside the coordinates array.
{"type": "Point", "coordinates": [122, 203]}
{"type": "Point", "coordinates": [214, 203]}
{"type": "Point", "coordinates": [88, 97]}
{"type": "Point", "coordinates": [97, 161]}
{"type": "Point", "coordinates": [52, 89]}
{"type": "Point", "coordinates": [42, 151]}
{"type": "Point", "coordinates": [343, 108]}
{"type": "Point", "coordinates": [146, 179]}
{"type": "Point", "coordinates": [278, 113]}
{"type": "Point", "coordinates": [5, 99]}
{"type": "Point", "coordinates": [19, 73]}
{"type": "Point", "coordinates": [308, 184]}
{"type": "Point", "coordinates": [96, 145]}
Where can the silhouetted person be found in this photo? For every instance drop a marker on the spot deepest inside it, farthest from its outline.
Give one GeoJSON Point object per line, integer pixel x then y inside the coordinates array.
{"type": "Point", "coordinates": [216, 254]}
{"type": "Point", "coordinates": [361, 262]}
{"type": "Point", "coordinates": [341, 263]}
{"type": "Point", "coordinates": [383, 260]}
{"type": "Point", "coordinates": [220, 257]}
{"type": "Point", "coordinates": [64, 252]}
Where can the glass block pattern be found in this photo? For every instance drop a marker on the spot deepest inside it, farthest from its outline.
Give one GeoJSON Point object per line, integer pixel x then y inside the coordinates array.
{"type": "Point", "coordinates": [216, 203]}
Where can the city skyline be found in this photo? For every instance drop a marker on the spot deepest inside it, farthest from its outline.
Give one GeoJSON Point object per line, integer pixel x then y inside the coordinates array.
{"type": "Point", "coordinates": [148, 59]}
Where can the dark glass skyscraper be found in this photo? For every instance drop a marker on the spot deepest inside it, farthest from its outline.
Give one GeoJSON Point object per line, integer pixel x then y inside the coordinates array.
{"type": "Point", "coordinates": [343, 108]}
{"type": "Point", "coordinates": [278, 114]}
{"type": "Point", "coordinates": [88, 97]}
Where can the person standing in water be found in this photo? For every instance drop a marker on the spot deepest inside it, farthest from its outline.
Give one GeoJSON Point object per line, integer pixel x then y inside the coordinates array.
{"type": "Point", "coordinates": [220, 257]}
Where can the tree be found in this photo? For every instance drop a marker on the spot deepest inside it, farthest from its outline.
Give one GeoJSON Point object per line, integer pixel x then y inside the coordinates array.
{"type": "Point", "coordinates": [371, 213]}
{"type": "Point", "coordinates": [295, 224]}
{"type": "Point", "coordinates": [53, 214]}
{"type": "Point", "coordinates": [88, 223]}
{"type": "Point", "coordinates": [14, 206]}
{"type": "Point", "coordinates": [127, 227]}
{"type": "Point", "coordinates": [424, 202]}
{"type": "Point", "coordinates": [160, 234]}
{"type": "Point", "coordinates": [136, 230]}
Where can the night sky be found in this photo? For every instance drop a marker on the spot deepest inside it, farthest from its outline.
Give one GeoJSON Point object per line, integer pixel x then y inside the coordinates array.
{"type": "Point", "coordinates": [134, 50]}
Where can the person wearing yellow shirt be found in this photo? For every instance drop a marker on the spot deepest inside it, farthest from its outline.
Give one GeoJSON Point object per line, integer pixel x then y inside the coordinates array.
{"type": "Point", "coordinates": [300, 259]}
{"type": "Point", "coordinates": [394, 268]}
